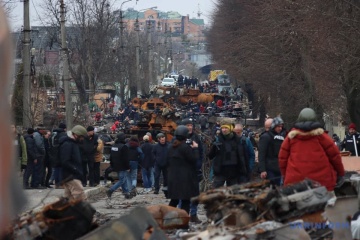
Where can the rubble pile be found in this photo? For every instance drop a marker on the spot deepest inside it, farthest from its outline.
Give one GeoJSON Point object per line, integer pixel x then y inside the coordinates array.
{"type": "Point", "coordinates": [256, 209]}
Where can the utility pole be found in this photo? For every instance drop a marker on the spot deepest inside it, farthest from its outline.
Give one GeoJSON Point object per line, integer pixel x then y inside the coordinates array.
{"type": "Point", "coordinates": [66, 75]}
{"type": "Point", "coordinates": [150, 60]}
{"type": "Point", "coordinates": [137, 29]}
{"type": "Point", "coordinates": [26, 65]}
{"type": "Point", "coordinates": [120, 56]}
{"type": "Point", "coordinates": [158, 69]}
{"type": "Point", "coordinates": [166, 49]}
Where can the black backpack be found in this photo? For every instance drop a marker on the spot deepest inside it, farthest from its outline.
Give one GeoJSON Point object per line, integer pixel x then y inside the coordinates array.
{"type": "Point", "coordinates": [54, 150]}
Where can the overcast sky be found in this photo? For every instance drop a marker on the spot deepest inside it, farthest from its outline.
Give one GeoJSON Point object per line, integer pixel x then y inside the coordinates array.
{"type": "Point", "coordinates": [184, 7]}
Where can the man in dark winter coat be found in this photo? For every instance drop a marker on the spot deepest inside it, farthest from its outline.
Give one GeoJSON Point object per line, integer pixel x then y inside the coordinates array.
{"type": "Point", "coordinates": [230, 161]}
{"type": "Point", "coordinates": [88, 150]}
{"type": "Point", "coordinates": [269, 147]}
{"type": "Point", "coordinates": [71, 163]}
{"type": "Point", "coordinates": [119, 162]}
{"type": "Point", "coordinates": [39, 169]}
{"type": "Point", "coordinates": [54, 152]}
{"type": "Point", "coordinates": [31, 151]}
{"type": "Point", "coordinates": [147, 163]}
{"type": "Point", "coordinates": [159, 155]}
{"type": "Point", "coordinates": [351, 141]}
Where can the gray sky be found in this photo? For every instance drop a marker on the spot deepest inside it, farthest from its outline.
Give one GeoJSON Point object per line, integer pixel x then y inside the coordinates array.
{"type": "Point", "coordinates": [184, 7]}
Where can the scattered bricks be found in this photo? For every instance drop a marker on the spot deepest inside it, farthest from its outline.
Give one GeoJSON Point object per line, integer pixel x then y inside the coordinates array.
{"type": "Point", "coordinates": [169, 217]}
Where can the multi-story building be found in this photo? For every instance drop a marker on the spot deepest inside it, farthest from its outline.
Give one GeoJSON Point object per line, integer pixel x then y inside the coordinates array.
{"type": "Point", "coordinates": [165, 22]}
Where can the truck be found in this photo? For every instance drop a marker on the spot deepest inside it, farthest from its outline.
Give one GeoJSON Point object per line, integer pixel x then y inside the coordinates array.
{"type": "Point", "coordinates": [215, 73]}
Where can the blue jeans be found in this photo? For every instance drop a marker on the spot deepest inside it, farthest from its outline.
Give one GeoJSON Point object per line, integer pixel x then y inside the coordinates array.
{"type": "Point", "coordinates": [57, 175]}
{"type": "Point", "coordinates": [121, 183]}
{"type": "Point", "coordinates": [146, 177]}
{"type": "Point", "coordinates": [132, 175]}
{"type": "Point", "coordinates": [152, 177]}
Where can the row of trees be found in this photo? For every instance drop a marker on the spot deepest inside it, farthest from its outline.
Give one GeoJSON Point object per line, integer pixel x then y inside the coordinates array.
{"type": "Point", "coordinates": [93, 36]}
{"type": "Point", "coordinates": [293, 54]}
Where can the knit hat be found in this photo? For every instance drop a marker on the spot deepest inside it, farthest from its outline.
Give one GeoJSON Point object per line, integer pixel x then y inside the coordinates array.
{"type": "Point", "coordinates": [79, 130]}
{"type": "Point", "coordinates": [160, 135]}
{"type": "Point", "coordinates": [90, 128]}
{"type": "Point", "coordinates": [62, 125]}
{"type": "Point", "coordinates": [352, 125]}
{"type": "Point", "coordinates": [146, 138]}
{"type": "Point", "coordinates": [227, 124]}
{"type": "Point", "coordinates": [120, 137]}
{"type": "Point", "coordinates": [30, 131]}
{"type": "Point", "coordinates": [276, 122]}
{"type": "Point", "coordinates": [307, 114]}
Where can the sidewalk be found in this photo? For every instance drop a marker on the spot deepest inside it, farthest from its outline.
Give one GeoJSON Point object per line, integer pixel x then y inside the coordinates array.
{"type": "Point", "coordinates": [37, 198]}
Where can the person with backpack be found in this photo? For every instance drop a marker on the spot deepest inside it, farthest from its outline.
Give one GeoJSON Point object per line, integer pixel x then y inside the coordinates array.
{"type": "Point", "coordinates": [229, 158]}
{"type": "Point", "coordinates": [55, 160]}
{"type": "Point", "coordinates": [135, 156]}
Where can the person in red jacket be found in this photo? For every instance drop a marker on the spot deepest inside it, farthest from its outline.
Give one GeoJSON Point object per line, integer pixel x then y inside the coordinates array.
{"type": "Point", "coordinates": [308, 152]}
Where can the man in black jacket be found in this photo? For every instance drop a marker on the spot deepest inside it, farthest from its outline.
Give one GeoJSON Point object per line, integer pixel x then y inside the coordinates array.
{"type": "Point", "coordinates": [269, 147]}
{"type": "Point", "coordinates": [71, 163]}
{"type": "Point", "coordinates": [119, 161]}
{"type": "Point", "coordinates": [31, 150]}
{"type": "Point", "coordinates": [230, 161]}
{"type": "Point", "coordinates": [88, 149]}
{"type": "Point", "coordinates": [159, 154]}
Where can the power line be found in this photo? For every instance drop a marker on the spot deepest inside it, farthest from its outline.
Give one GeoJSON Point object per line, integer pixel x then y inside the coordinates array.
{"type": "Point", "coordinates": [37, 13]}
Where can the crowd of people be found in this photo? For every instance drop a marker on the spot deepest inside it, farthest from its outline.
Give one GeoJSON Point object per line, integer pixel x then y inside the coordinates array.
{"type": "Point", "coordinates": [71, 159]}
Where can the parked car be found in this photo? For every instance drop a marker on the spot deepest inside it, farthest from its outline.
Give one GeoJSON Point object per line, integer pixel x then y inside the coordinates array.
{"type": "Point", "coordinates": [168, 82]}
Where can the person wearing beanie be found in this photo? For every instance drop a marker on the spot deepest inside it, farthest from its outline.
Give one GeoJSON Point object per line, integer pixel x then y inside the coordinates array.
{"type": "Point", "coordinates": [230, 163]}
{"type": "Point", "coordinates": [269, 147]}
{"type": "Point", "coordinates": [309, 153]}
{"type": "Point", "coordinates": [72, 172]}
{"type": "Point", "coordinates": [119, 162]}
{"type": "Point", "coordinates": [351, 141]}
{"type": "Point", "coordinates": [147, 164]}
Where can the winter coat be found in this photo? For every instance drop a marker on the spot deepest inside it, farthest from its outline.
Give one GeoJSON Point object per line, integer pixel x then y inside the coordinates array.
{"type": "Point", "coordinates": [119, 159]}
{"type": "Point", "coordinates": [195, 137]}
{"type": "Point", "coordinates": [269, 147]}
{"type": "Point", "coordinates": [99, 151]}
{"type": "Point", "coordinates": [148, 160]}
{"type": "Point", "coordinates": [31, 148]}
{"type": "Point", "coordinates": [21, 149]}
{"type": "Point", "coordinates": [160, 153]}
{"type": "Point", "coordinates": [70, 159]}
{"type": "Point", "coordinates": [308, 152]}
{"type": "Point", "coordinates": [221, 161]}
{"type": "Point", "coordinates": [88, 148]}
{"type": "Point", "coordinates": [182, 173]}
{"type": "Point", "coordinates": [39, 141]}
{"type": "Point", "coordinates": [135, 152]}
